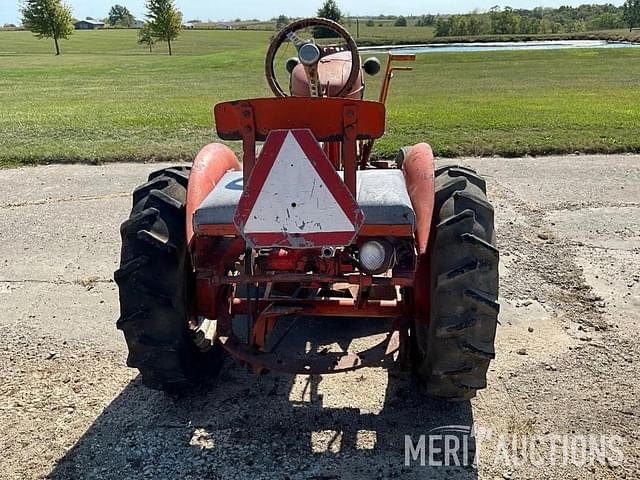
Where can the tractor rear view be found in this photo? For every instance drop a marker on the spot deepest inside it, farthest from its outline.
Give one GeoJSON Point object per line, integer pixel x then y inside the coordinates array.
{"type": "Point", "coordinates": [230, 256]}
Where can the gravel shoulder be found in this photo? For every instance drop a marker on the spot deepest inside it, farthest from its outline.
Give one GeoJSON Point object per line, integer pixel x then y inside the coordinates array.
{"type": "Point", "coordinates": [568, 362]}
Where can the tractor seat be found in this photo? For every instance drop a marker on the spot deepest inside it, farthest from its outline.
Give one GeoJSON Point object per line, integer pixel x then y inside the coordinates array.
{"type": "Point", "coordinates": [382, 195]}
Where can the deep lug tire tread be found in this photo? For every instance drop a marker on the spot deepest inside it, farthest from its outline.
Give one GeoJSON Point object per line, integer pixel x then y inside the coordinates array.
{"type": "Point", "coordinates": [152, 280]}
{"type": "Point", "coordinates": [455, 349]}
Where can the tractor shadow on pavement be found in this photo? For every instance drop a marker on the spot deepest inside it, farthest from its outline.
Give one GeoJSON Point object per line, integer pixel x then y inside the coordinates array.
{"type": "Point", "coordinates": [247, 427]}
{"type": "Point", "coordinates": [345, 426]}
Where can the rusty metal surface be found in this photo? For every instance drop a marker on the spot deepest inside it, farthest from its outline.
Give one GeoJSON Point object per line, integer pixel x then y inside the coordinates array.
{"type": "Point", "coordinates": [334, 70]}
{"type": "Point", "coordinates": [355, 279]}
{"type": "Point", "coordinates": [366, 230]}
{"type": "Point", "coordinates": [350, 122]}
{"type": "Point", "coordinates": [389, 69]}
{"type": "Point", "coordinates": [319, 363]}
{"type": "Point", "coordinates": [325, 308]}
{"type": "Point", "coordinates": [367, 146]}
{"type": "Point", "coordinates": [323, 116]}
{"type": "Point", "coordinates": [245, 118]}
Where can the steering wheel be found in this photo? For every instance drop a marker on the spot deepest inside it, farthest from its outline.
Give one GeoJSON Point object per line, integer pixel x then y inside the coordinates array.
{"type": "Point", "coordinates": [310, 54]}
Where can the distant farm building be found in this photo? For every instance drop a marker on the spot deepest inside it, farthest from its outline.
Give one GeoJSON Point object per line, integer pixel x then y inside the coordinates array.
{"type": "Point", "coordinates": [88, 25]}
{"type": "Point", "coordinates": [137, 24]}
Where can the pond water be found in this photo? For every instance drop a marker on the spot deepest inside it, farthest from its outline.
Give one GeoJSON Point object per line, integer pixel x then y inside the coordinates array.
{"type": "Point", "coordinates": [500, 46]}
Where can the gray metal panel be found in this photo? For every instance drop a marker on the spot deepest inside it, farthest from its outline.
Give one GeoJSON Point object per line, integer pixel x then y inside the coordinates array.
{"type": "Point", "coordinates": [220, 205]}
{"type": "Point", "coordinates": [382, 195]}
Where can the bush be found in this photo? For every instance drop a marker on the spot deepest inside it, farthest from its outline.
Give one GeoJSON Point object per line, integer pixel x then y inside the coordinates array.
{"type": "Point", "coordinates": [331, 11]}
{"type": "Point", "coordinates": [400, 22]}
{"type": "Point", "coordinates": [426, 21]}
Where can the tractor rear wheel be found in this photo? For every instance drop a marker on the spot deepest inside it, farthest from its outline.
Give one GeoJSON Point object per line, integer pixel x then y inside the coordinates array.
{"type": "Point", "coordinates": [155, 280]}
{"type": "Point", "coordinates": [455, 348]}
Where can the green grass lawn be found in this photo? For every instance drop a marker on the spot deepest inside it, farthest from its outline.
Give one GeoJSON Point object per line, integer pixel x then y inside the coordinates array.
{"type": "Point", "coordinates": [104, 43]}
{"type": "Point", "coordinates": [106, 99]}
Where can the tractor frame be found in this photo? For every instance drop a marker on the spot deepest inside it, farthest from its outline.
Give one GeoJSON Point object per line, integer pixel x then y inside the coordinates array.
{"type": "Point", "coordinates": [345, 127]}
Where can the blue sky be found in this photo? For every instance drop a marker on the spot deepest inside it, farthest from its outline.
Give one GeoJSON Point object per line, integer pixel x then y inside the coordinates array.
{"type": "Point", "coordinates": [263, 9]}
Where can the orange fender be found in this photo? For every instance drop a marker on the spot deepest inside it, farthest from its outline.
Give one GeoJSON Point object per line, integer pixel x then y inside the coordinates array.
{"type": "Point", "coordinates": [209, 166]}
{"type": "Point", "coordinates": [418, 168]}
{"type": "Point", "coordinates": [419, 173]}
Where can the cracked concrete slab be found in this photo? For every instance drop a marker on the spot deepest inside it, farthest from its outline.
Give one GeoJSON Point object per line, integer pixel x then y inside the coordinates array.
{"type": "Point", "coordinates": [604, 227]}
{"type": "Point", "coordinates": [574, 180]}
{"type": "Point", "coordinates": [61, 240]}
{"type": "Point", "coordinates": [80, 413]}
{"type": "Point", "coordinates": [83, 313]}
{"type": "Point", "coordinates": [614, 276]}
{"type": "Point", "coordinates": [55, 183]}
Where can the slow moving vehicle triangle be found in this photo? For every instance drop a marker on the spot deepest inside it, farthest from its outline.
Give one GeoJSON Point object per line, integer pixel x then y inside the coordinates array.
{"type": "Point", "coordinates": [295, 198]}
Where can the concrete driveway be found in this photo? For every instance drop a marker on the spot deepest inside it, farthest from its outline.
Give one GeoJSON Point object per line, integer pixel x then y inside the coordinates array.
{"type": "Point", "coordinates": [568, 360]}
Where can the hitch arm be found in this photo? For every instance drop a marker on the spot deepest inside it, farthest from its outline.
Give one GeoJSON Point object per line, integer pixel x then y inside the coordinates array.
{"type": "Point", "coordinates": [367, 146]}
{"type": "Point", "coordinates": [388, 72]}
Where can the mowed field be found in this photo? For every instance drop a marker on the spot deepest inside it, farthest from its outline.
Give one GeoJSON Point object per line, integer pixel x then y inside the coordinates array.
{"type": "Point", "coordinates": [106, 98]}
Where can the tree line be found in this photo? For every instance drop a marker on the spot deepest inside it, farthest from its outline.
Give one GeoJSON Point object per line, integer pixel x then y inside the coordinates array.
{"type": "Point", "coordinates": [54, 19]}
{"type": "Point", "coordinates": [540, 20]}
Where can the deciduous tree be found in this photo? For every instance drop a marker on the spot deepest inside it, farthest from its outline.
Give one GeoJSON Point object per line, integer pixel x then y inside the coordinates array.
{"type": "Point", "coordinates": [145, 37]}
{"type": "Point", "coordinates": [631, 13]}
{"type": "Point", "coordinates": [331, 11]}
{"type": "Point", "coordinates": [282, 21]}
{"type": "Point", "coordinates": [48, 19]}
{"type": "Point", "coordinates": [400, 22]}
{"type": "Point", "coordinates": [120, 15]}
{"type": "Point", "coordinates": [426, 21]}
{"type": "Point", "coordinates": [165, 20]}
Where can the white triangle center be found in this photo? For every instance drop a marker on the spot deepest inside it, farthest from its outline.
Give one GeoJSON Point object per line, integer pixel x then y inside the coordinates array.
{"type": "Point", "coordinates": [294, 199]}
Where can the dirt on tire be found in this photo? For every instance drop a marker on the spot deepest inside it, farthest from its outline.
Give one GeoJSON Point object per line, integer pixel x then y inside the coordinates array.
{"type": "Point", "coordinates": [153, 281]}
{"type": "Point", "coordinates": [455, 349]}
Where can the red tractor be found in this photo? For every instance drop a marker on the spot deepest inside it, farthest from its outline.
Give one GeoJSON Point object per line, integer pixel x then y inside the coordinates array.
{"type": "Point", "coordinates": [228, 256]}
